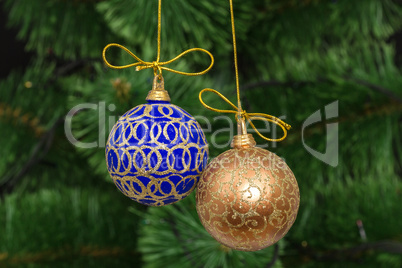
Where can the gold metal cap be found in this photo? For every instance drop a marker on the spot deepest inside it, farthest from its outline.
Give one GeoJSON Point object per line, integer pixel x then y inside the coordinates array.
{"type": "Point", "coordinates": [243, 141]}
{"type": "Point", "coordinates": [158, 92]}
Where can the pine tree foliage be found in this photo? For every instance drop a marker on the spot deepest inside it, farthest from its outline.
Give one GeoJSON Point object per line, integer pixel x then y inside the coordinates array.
{"type": "Point", "coordinates": [295, 57]}
{"type": "Point", "coordinates": [65, 224]}
{"type": "Point", "coordinates": [189, 23]}
{"type": "Point", "coordinates": [64, 28]}
{"type": "Point", "coordinates": [165, 228]}
{"type": "Point", "coordinates": [25, 103]}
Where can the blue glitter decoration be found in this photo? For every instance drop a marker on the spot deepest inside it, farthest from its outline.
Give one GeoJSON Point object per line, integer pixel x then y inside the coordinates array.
{"type": "Point", "coordinates": [156, 153]}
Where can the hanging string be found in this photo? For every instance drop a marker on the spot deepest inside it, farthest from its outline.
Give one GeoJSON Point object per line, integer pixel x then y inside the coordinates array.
{"type": "Point", "coordinates": [159, 31]}
{"type": "Point", "coordinates": [235, 58]}
{"type": "Point", "coordinates": [242, 114]}
{"type": "Point", "coordinates": [157, 66]}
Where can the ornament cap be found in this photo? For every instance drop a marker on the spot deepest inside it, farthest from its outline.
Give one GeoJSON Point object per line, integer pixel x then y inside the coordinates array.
{"type": "Point", "coordinates": [243, 141]}
{"type": "Point", "coordinates": [158, 92]}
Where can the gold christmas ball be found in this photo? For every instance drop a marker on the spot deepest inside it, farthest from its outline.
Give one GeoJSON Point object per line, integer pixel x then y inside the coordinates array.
{"type": "Point", "coordinates": [247, 197]}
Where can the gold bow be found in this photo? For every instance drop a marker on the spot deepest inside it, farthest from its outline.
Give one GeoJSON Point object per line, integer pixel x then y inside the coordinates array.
{"type": "Point", "coordinates": [156, 65]}
{"type": "Point", "coordinates": [248, 116]}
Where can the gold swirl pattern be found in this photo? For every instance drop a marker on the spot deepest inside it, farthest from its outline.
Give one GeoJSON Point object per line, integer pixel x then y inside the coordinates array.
{"type": "Point", "coordinates": [247, 198]}
{"type": "Point", "coordinates": [155, 153]}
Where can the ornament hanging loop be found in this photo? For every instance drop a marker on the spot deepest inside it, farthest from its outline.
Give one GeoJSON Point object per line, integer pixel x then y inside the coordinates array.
{"type": "Point", "coordinates": [242, 139]}
{"type": "Point", "coordinates": [159, 83]}
{"type": "Point", "coordinates": [241, 123]}
{"type": "Point", "coordinates": [156, 67]}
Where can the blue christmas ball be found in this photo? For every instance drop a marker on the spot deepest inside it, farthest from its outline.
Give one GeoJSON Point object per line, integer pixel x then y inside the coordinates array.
{"type": "Point", "coordinates": [156, 153]}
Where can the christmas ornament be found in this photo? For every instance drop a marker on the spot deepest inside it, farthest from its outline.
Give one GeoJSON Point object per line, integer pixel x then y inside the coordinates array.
{"type": "Point", "coordinates": [156, 151]}
{"type": "Point", "coordinates": [247, 197]}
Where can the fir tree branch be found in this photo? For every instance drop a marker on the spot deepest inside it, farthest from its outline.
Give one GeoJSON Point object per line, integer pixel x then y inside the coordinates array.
{"type": "Point", "coordinates": [65, 253]}
{"type": "Point", "coordinates": [275, 257]}
{"type": "Point", "coordinates": [391, 95]}
{"type": "Point", "coordinates": [354, 253]}
{"type": "Point", "coordinates": [181, 241]}
{"type": "Point", "coordinates": [292, 84]}
{"type": "Point", "coordinates": [38, 153]}
{"type": "Point", "coordinates": [386, 109]}
{"type": "Point", "coordinates": [74, 65]}
{"type": "Point", "coordinates": [397, 149]}
{"type": "Point", "coordinates": [295, 84]}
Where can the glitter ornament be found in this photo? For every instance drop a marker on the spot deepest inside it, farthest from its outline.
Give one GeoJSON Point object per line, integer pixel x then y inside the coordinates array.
{"type": "Point", "coordinates": [247, 197]}
{"type": "Point", "coordinates": [156, 151]}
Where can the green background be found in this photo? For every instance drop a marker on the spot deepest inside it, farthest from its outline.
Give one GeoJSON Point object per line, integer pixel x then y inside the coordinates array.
{"type": "Point", "coordinates": [58, 206]}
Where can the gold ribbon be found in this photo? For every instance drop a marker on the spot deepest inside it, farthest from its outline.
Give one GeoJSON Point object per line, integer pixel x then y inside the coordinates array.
{"type": "Point", "coordinates": [248, 116]}
{"type": "Point", "coordinates": [156, 65]}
